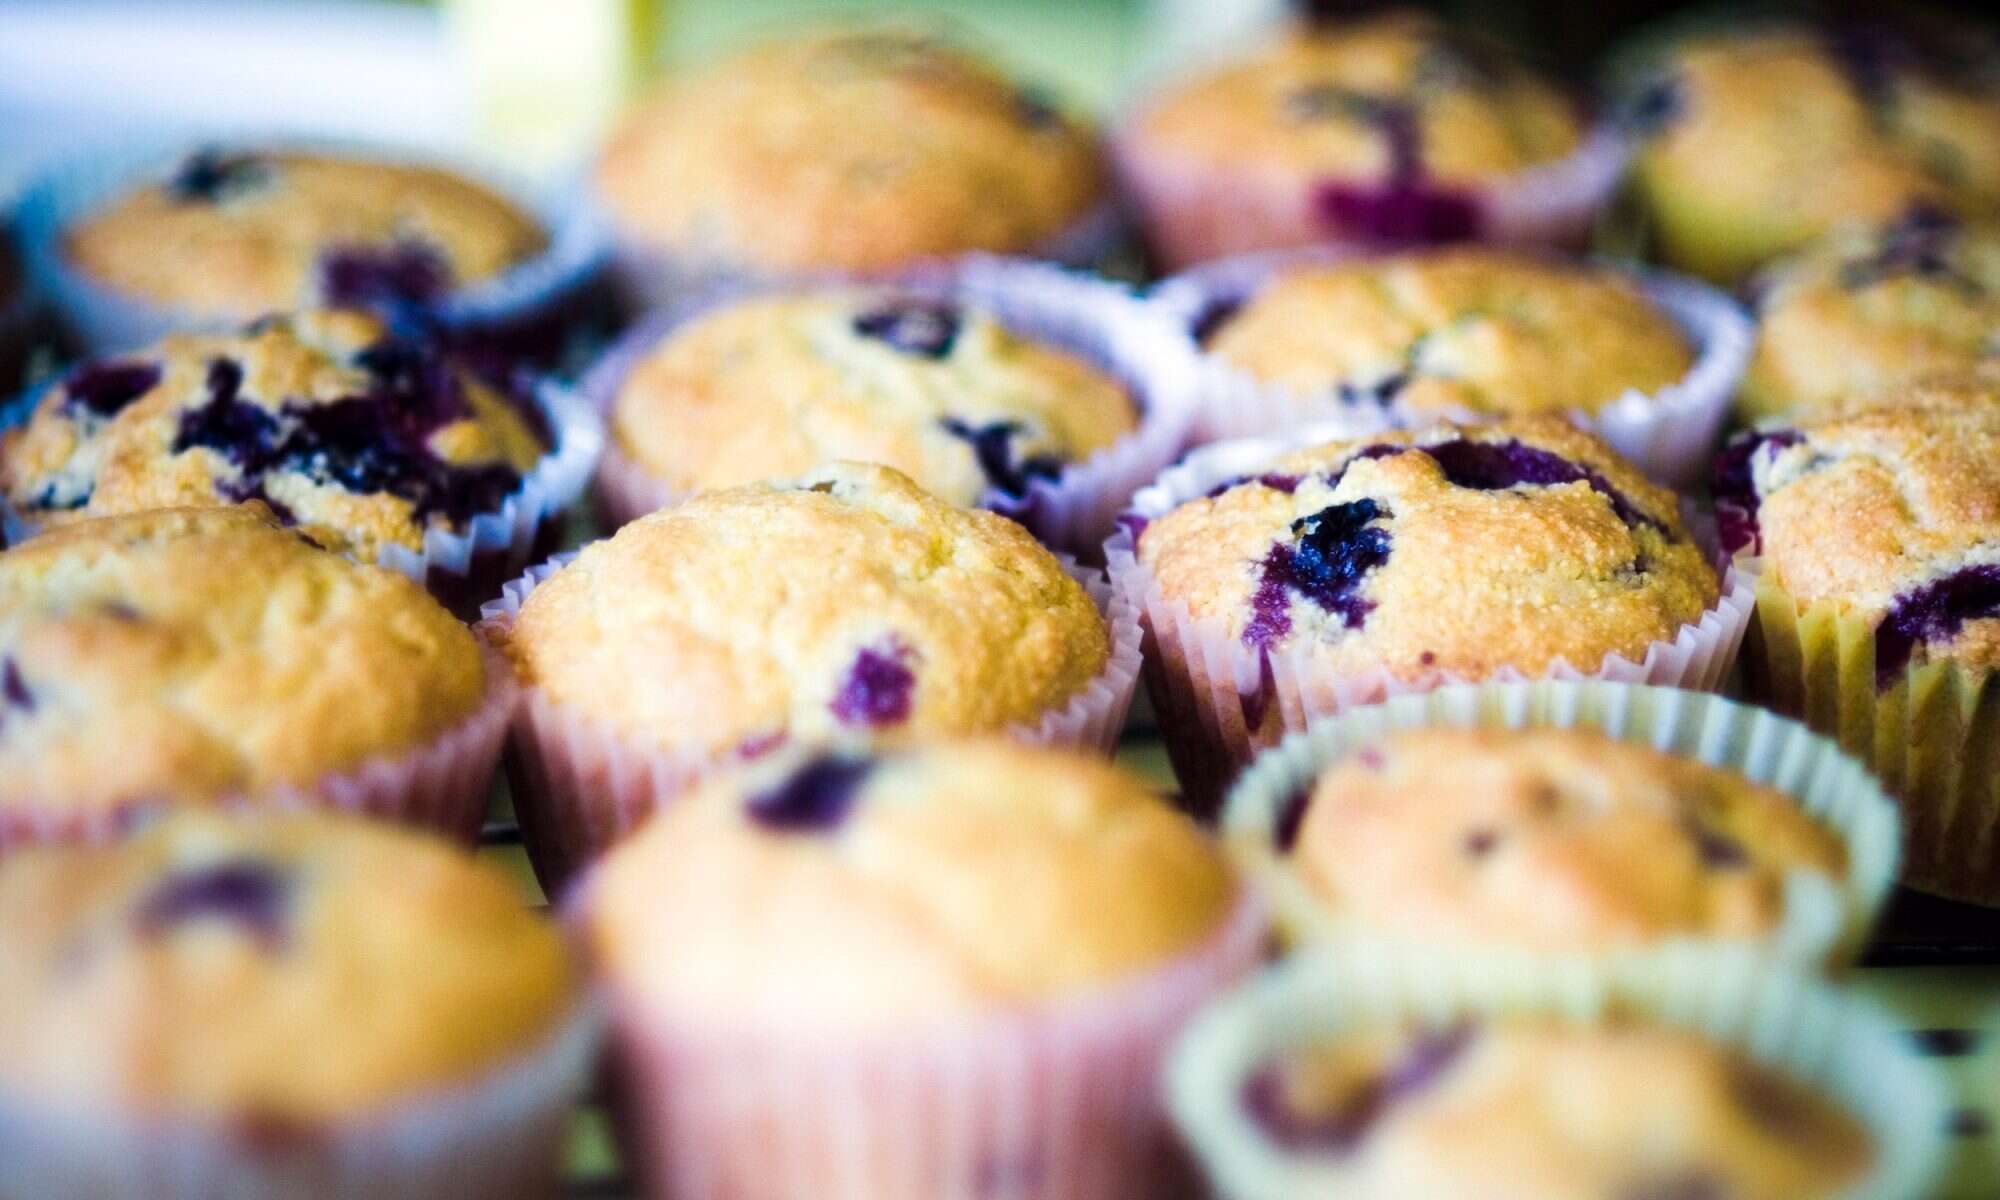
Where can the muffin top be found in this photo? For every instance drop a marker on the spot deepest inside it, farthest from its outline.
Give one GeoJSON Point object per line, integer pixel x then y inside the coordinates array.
{"type": "Point", "coordinates": [1772, 136]}
{"type": "Point", "coordinates": [1475, 330]}
{"type": "Point", "coordinates": [1890, 513]}
{"type": "Point", "coordinates": [1460, 549]}
{"type": "Point", "coordinates": [1515, 1108]}
{"type": "Point", "coordinates": [1549, 839]}
{"type": "Point", "coordinates": [238, 235]}
{"type": "Point", "coordinates": [190, 654]}
{"type": "Point", "coordinates": [359, 438]}
{"type": "Point", "coordinates": [266, 972]}
{"type": "Point", "coordinates": [853, 149]}
{"type": "Point", "coordinates": [774, 386]}
{"type": "Point", "coordinates": [1870, 308]}
{"type": "Point", "coordinates": [850, 600]}
{"type": "Point", "coordinates": [1395, 97]}
{"type": "Point", "coordinates": [831, 889]}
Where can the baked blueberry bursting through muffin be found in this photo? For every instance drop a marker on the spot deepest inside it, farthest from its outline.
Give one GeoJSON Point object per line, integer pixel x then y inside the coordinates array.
{"type": "Point", "coordinates": [1336, 547]}
{"type": "Point", "coordinates": [1402, 208]}
{"type": "Point", "coordinates": [1341, 1129]}
{"type": "Point", "coordinates": [1934, 612]}
{"type": "Point", "coordinates": [209, 176]}
{"type": "Point", "coordinates": [815, 798]}
{"type": "Point", "coordinates": [249, 893]}
{"type": "Point", "coordinates": [1735, 487]}
{"type": "Point", "coordinates": [993, 445]}
{"type": "Point", "coordinates": [409, 273]}
{"type": "Point", "coordinates": [923, 328]}
{"type": "Point", "coordinates": [104, 390]}
{"type": "Point", "coordinates": [877, 689]}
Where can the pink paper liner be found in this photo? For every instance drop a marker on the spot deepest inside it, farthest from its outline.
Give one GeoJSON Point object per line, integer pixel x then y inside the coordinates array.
{"type": "Point", "coordinates": [1202, 678]}
{"type": "Point", "coordinates": [499, 1136]}
{"type": "Point", "coordinates": [1060, 1101]}
{"type": "Point", "coordinates": [1192, 212]}
{"type": "Point", "coordinates": [441, 785]}
{"type": "Point", "coordinates": [579, 785]}
{"type": "Point", "coordinates": [1669, 434]}
{"type": "Point", "coordinates": [1086, 316]}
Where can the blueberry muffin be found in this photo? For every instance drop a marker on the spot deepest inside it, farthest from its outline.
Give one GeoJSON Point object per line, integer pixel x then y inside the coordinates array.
{"type": "Point", "coordinates": [287, 985]}
{"type": "Point", "coordinates": [182, 656]}
{"type": "Point", "coordinates": [1547, 839]}
{"type": "Point", "coordinates": [1390, 128]}
{"type": "Point", "coordinates": [1012, 930]}
{"type": "Point", "coordinates": [1868, 309]}
{"type": "Point", "coordinates": [1766, 138]}
{"type": "Point", "coordinates": [850, 149]}
{"type": "Point", "coordinates": [1878, 600]}
{"type": "Point", "coordinates": [360, 439]}
{"type": "Point", "coordinates": [1470, 330]}
{"type": "Point", "coordinates": [233, 235]}
{"type": "Point", "coordinates": [774, 386]}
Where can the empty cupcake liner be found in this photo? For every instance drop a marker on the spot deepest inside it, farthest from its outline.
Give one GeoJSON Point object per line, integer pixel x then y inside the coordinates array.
{"type": "Point", "coordinates": [1054, 1101]}
{"type": "Point", "coordinates": [1219, 702]}
{"type": "Point", "coordinates": [1193, 212]}
{"type": "Point", "coordinates": [1825, 921]}
{"type": "Point", "coordinates": [441, 785]}
{"type": "Point", "coordinates": [108, 321]}
{"type": "Point", "coordinates": [1932, 735]}
{"type": "Point", "coordinates": [579, 784]}
{"type": "Point", "coordinates": [1098, 321]}
{"type": "Point", "coordinates": [1846, 1048]}
{"type": "Point", "coordinates": [498, 1136]}
{"type": "Point", "coordinates": [1669, 433]}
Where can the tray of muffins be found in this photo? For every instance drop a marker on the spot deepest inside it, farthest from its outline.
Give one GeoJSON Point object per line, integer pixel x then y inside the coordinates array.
{"type": "Point", "coordinates": [801, 664]}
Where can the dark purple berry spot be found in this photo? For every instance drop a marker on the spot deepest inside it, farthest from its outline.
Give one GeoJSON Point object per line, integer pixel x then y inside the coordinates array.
{"type": "Point", "coordinates": [993, 445]}
{"type": "Point", "coordinates": [1654, 106]}
{"type": "Point", "coordinates": [1335, 548]}
{"type": "Point", "coordinates": [1919, 243]}
{"type": "Point", "coordinates": [1427, 1059]}
{"type": "Point", "coordinates": [877, 688]}
{"type": "Point", "coordinates": [209, 176]}
{"type": "Point", "coordinates": [1735, 485]}
{"type": "Point", "coordinates": [1427, 658]}
{"type": "Point", "coordinates": [406, 273]}
{"type": "Point", "coordinates": [1276, 481]}
{"type": "Point", "coordinates": [1257, 704]}
{"type": "Point", "coordinates": [245, 892]}
{"type": "Point", "coordinates": [1933, 613]}
{"type": "Point", "coordinates": [1133, 523]}
{"type": "Point", "coordinates": [1717, 850]}
{"type": "Point", "coordinates": [1398, 213]}
{"type": "Point", "coordinates": [14, 693]}
{"type": "Point", "coordinates": [105, 389]}
{"type": "Point", "coordinates": [925, 328]}
{"type": "Point", "coordinates": [757, 745]}
{"type": "Point", "coordinates": [1481, 842]}
{"type": "Point", "coordinates": [1291, 815]}
{"type": "Point", "coordinates": [813, 799]}
{"type": "Point", "coordinates": [1213, 316]}
{"type": "Point", "coordinates": [1496, 466]}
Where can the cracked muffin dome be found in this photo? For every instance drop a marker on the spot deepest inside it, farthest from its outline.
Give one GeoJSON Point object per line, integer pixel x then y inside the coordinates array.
{"type": "Point", "coordinates": [849, 600]}
{"type": "Point", "coordinates": [1874, 308]}
{"type": "Point", "coordinates": [186, 655]}
{"type": "Point", "coordinates": [1477, 330]}
{"type": "Point", "coordinates": [835, 889]}
{"type": "Point", "coordinates": [847, 149]}
{"type": "Point", "coordinates": [1766, 139]}
{"type": "Point", "coordinates": [240, 234]}
{"type": "Point", "coordinates": [359, 438]}
{"type": "Point", "coordinates": [1548, 839]}
{"type": "Point", "coordinates": [1522, 1106]}
{"type": "Point", "coordinates": [266, 971]}
{"type": "Point", "coordinates": [771, 387]}
{"type": "Point", "coordinates": [1467, 550]}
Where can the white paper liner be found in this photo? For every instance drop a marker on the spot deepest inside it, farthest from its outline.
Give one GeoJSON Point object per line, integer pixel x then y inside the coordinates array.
{"type": "Point", "coordinates": [499, 1136]}
{"type": "Point", "coordinates": [1055, 1101]}
{"type": "Point", "coordinates": [1098, 321]}
{"type": "Point", "coordinates": [1193, 212]}
{"type": "Point", "coordinates": [109, 321]}
{"type": "Point", "coordinates": [579, 785]}
{"type": "Point", "coordinates": [1842, 1046]}
{"type": "Point", "coordinates": [1199, 674]}
{"type": "Point", "coordinates": [1824, 921]}
{"type": "Point", "coordinates": [1669, 434]}
{"type": "Point", "coordinates": [441, 785]}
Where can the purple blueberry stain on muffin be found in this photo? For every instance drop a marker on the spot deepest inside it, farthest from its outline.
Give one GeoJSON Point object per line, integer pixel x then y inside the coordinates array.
{"type": "Point", "coordinates": [1716, 850]}
{"type": "Point", "coordinates": [1934, 612]}
{"type": "Point", "coordinates": [1400, 212]}
{"type": "Point", "coordinates": [1334, 550]}
{"type": "Point", "coordinates": [405, 273]}
{"type": "Point", "coordinates": [878, 687]}
{"type": "Point", "coordinates": [14, 694]}
{"type": "Point", "coordinates": [247, 893]}
{"type": "Point", "coordinates": [1479, 843]}
{"type": "Point", "coordinates": [1421, 1065]}
{"type": "Point", "coordinates": [815, 798]}
{"type": "Point", "coordinates": [105, 389]}
{"type": "Point", "coordinates": [993, 446]}
{"type": "Point", "coordinates": [1277, 481]}
{"type": "Point", "coordinates": [920, 328]}
{"type": "Point", "coordinates": [1734, 486]}
{"type": "Point", "coordinates": [212, 176]}
{"type": "Point", "coordinates": [1498, 466]}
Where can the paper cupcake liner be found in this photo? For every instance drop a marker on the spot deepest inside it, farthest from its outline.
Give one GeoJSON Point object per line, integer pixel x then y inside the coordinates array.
{"type": "Point", "coordinates": [1097, 321]}
{"type": "Point", "coordinates": [1824, 921]}
{"type": "Point", "coordinates": [1933, 736]}
{"type": "Point", "coordinates": [1669, 434]}
{"type": "Point", "coordinates": [1799, 1026]}
{"type": "Point", "coordinates": [1219, 702]}
{"type": "Point", "coordinates": [1192, 212]}
{"type": "Point", "coordinates": [500, 1136]}
{"type": "Point", "coordinates": [108, 321]}
{"type": "Point", "coordinates": [579, 785]}
{"type": "Point", "coordinates": [441, 785]}
{"type": "Point", "coordinates": [1058, 1101]}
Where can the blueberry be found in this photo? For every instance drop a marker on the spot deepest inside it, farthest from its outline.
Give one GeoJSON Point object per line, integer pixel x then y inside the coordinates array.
{"type": "Point", "coordinates": [1481, 842]}
{"type": "Point", "coordinates": [1398, 213]}
{"type": "Point", "coordinates": [13, 689]}
{"type": "Point", "coordinates": [1496, 466]}
{"type": "Point", "coordinates": [1291, 815]}
{"type": "Point", "coordinates": [1275, 480]}
{"type": "Point", "coordinates": [1933, 613]}
{"type": "Point", "coordinates": [105, 389]}
{"type": "Point", "coordinates": [1427, 1059]}
{"type": "Point", "coordinates": [993, 445]}
{"type": "Point", "coordinates": [249, 893]}
{"type": "Point", "coordinates": [924, 328]}
{"type": "Point", "coordinates": [1654, 106]}
{"type": "Point", "coordinates": [241, 432]}
{"type": "Point", "coordinates": [210, 176]}
{"type": "Point", "coordinates": [1735, 486]}
{"type": "Point", "coordinates": [1335, 548]}
{"type": "Point", "coordinates": [410, 272]}
{"type": "Point", "coordinates": [813, 799]}
{"type": "Point", "coordinates": [877, 688]}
